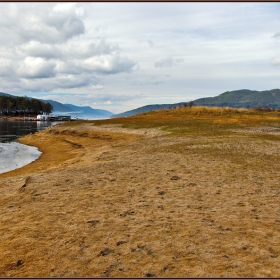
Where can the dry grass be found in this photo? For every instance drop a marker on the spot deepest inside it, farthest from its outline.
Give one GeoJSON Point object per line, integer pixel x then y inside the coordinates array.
{"type": "Point", "coordinates": [184, 120]}
{"type": "Point", "coordinates": [183, 193]}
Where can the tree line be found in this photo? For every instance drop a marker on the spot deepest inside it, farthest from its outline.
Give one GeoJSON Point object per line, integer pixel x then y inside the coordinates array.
{"type": "Point", "coordinates": [17, 106]}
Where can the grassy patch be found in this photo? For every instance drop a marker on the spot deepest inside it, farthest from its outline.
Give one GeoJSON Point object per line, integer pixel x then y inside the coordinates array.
{"type": "Point", "coordinates": [198, 120]}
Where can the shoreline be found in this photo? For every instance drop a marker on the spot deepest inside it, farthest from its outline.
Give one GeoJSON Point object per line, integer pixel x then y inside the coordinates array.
{"type": "Point", "coordinates": [65, 150]}
{"type": "Point", "coordinates": [8, 118]}
{"type": "Point", "coordinates": [15, 155]}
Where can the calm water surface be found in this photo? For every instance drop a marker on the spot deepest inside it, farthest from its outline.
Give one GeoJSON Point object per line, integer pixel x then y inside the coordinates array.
{"type": "Point", "coordinates": [11, 130]}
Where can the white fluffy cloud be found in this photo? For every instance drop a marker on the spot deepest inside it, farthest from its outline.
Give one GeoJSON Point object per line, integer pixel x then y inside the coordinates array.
{"type": "Point", "coordinates": [37, 49]}
{"type": "Point", "coordinates": [36, 68]}
{"type": "Point", "coordinates": [40, 22]}
{"type": "Point", "coordinates": [109, 64]}
{"type": "Point", "coordinates": [49, 43]}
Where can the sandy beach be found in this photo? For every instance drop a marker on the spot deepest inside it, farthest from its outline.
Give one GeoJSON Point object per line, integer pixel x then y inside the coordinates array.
{"type": "Point", "coordinates": [110, 201]}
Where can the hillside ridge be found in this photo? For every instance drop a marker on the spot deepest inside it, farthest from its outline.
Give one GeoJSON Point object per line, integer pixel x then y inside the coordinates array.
{"type": "Point", "coordinates": [243, 98]}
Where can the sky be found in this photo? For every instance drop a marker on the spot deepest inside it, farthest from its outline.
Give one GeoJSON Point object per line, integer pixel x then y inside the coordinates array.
{"type": "Point", "coordinates": [119, 56]}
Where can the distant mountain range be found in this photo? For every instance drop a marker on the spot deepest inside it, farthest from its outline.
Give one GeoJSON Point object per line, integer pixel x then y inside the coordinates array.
{"type": "Point", "coordinates": [88, 111]}
{"type": "Point", "coordinates": [243, 98]}
{"type": "Point", "coordinates": [81, 112]}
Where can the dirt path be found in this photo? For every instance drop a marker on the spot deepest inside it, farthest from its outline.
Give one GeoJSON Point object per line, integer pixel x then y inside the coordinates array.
{"type": "Point", "coordinates": [111, 202]}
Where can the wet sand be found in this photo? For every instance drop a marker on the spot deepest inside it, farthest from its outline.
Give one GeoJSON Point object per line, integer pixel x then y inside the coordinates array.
{"type": "Point", "coordinates": [113, 202]}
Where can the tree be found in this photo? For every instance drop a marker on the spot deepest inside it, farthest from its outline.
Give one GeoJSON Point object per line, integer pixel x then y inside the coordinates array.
{"type": "Point", "coordinates": [48, 108]}
{"type": "Point", "coordinates": [10, 106]}
{"type": "Point", "coordinates": [2, 105]}
{"type": "Point", "coordinates": [25, 104]}
{"type": "Point", "coordinates": [15, 105]}
{"type": "Point", "coordinates": [36, 106]}
{"type": "Point", "coordinates": [4, 100]}
{"type": "Point", "coordinates": [43, 107]}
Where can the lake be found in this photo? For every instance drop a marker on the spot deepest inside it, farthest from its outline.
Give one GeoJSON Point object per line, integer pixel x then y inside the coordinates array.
{"type": "Point", "coordinates": [11, 130]}
{"type": "Point", "coordinates": [14, 155]}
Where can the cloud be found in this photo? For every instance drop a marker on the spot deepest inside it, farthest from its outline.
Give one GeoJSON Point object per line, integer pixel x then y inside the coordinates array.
{"type": "Point", "coordinates": [167, 62]}
{"type": "Point", "coordinates": [82, 51]}
{"type": "Point", "coordinates": [101, 57]}
{"type": "Point", "coordinates": [109, 64]}
{"type": "Point", "coordinates": [164, 62]}
{"type": "Point", "coordinates": [6, 67]}
{"type": "Point", "coordinates": [36, 68]}
{"type": "Point", "coordinates": [100, 64]}
{"type": "Point", "coordinates": [69, 67]}
{"type": "Point", "coordinates": [112, 98]}
{"type": "Point", "coordinates": [61, 82]}
{"type": "Point", "coordinates": [36, 49]}
{"type": "Point", "coordinates": [43, 23]}
{"type": "Point", "coordinates": [46, 48]}
{"type": "Point", "coordinates": [276, 35]}
{"type": "Point", "coordinates": [63, 25]}
{"type": "Point", "coordinates": [73, 81]}
{"type": "Point", "coordinates": [149, 80]}
{"type": "Point", "coordinates": [275, 60]}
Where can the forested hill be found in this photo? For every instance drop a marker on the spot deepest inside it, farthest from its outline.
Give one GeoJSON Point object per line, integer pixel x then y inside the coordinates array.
{"type": "Point", "coordinates": [243, 98]}
{"type": "Point", "coordinates": [17, 105]}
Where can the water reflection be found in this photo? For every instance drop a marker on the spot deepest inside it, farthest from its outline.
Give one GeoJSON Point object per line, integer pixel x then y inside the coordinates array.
{"type": "Point", "coordinates": [11, 130]}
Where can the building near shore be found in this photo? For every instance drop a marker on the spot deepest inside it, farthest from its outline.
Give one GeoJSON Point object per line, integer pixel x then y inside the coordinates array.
{"type": "Point", "coordinates": [53, 118]}
{"type": "Point", "coordinates": [42, 117]}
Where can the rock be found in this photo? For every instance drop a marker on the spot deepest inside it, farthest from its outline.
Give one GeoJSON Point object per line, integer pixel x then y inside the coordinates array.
{"type": "Point", "coordinates": [105, 252]}
{"type": "Point", "coordinates": [121, 242]}
{"type": "Point", "coordinates": [148, 274]}
{"type": "Point", "coordinates": [93, 222]}
{"type": "Point", "coordinates": [19, 263]}
{"type": "Point", "coordinates": [26, 182]}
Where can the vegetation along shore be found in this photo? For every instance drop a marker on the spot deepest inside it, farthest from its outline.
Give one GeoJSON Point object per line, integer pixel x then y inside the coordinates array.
{"type": "Point", "coordinates": [186, 192]}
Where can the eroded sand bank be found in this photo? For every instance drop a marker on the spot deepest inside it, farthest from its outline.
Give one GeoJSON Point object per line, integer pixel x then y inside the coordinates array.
{"type": "Point", "coordinates": [104, 201]}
